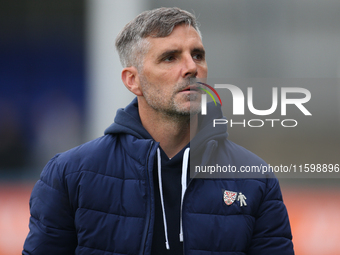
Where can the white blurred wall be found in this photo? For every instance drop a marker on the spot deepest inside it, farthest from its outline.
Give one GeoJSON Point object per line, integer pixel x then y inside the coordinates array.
{"type": "Point", "coordinates": [105, 90]}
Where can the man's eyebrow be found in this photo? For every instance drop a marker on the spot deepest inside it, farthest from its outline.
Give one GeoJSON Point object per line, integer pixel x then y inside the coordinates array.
{"type": "Point", "coordinates": [168, 53]}
{"type": "Point", "coordinates": [199, 50]}
{"type": "Point", "coordinates": [174, 52]}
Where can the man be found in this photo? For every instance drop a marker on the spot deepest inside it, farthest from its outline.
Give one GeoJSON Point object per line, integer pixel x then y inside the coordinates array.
{"type": "Point", "coordinates": [130, 192]}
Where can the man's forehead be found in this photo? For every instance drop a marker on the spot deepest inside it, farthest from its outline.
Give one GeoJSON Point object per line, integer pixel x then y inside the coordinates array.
{"type": "Point", "coordinates": [175, 39]}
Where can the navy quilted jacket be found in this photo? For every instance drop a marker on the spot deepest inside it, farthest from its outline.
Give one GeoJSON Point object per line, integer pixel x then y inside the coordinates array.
{"type": "Point", "coordinates": [98, 198]}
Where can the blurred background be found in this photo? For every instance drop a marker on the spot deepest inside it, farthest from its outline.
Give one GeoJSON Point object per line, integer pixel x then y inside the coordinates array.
{"type": "Point", "coordinates": [60, 86]}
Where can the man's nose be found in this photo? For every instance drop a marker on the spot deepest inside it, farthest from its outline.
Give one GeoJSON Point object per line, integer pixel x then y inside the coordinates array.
{"type": "Point", "coordinates": [189, 67]}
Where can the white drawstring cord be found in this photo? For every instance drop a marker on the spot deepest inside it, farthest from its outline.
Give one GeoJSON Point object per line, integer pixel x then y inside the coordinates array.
{"type": "Point", "coordinates": [162, 201]}
{"type": "Point", "coordinates": [184, 186]}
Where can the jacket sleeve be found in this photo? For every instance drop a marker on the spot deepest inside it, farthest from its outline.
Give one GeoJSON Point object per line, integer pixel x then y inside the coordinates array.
{"type": "Point", "coordinates": [51, 223]}
{"type": "Point", "coordinates": [272, 233]}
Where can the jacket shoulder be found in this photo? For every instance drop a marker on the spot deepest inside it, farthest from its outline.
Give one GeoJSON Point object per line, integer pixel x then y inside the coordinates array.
{"type": "Point", "coordinates": [239, 152]}
{"type": "Point", "coordinates": [84, 155]}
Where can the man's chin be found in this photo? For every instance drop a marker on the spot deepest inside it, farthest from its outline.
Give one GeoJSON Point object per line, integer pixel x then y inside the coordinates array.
{"type": "Point", "coordinates": [190, 109]}
{"type": "Point", "coordinates": [195, 108]}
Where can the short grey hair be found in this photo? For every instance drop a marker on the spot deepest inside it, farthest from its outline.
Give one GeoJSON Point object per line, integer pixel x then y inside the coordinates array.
{"type": "Point", "coordinates": [130, 42]}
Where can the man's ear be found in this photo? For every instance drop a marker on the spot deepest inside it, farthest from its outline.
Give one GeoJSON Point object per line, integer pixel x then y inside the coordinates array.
{"type": "Point", "coordinates": [130, 78]}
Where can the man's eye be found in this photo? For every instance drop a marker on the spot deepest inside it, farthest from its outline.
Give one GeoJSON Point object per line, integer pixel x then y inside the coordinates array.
{"type": "Point", "coordinates": [168, 58]}
{"type": "Point", "coordinates": [198, 56]}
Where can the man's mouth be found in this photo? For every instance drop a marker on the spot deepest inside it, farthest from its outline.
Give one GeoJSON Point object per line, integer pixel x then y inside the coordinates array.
{"type": "Point", "coordinates": [191, 88]}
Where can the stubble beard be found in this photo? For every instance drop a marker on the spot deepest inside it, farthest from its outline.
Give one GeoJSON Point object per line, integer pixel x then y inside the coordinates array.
{"type": "Point", "coordinates": [168, 106]}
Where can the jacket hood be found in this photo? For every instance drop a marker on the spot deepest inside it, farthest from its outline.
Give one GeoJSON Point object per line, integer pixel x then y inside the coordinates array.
{"type": "Point", "coordinates": [127, 121]}
{"type": "Point", "coordinates": [207, 131]}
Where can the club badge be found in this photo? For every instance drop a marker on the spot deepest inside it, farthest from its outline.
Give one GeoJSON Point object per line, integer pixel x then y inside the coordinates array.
{"type": "Point", "coordinates": [229, 197]}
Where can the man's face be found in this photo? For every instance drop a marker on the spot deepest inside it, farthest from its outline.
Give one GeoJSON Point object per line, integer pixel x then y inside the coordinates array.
{"type": "Point", "coordinates": [168, 66]}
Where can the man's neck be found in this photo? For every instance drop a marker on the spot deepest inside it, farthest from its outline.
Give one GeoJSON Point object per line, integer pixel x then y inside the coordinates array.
{"type": "Point", "coordinates": [172, 132]}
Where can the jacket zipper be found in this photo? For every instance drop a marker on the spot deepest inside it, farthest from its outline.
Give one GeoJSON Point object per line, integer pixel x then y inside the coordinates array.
{"type": "Point", "coordinates": [181, 215]}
